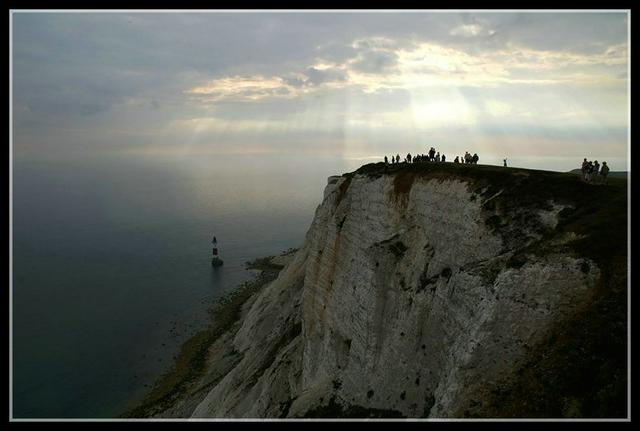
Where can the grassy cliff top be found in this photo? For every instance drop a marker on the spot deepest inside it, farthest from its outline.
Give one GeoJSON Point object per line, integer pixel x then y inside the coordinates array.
{"type": "Point", "coordinates": [595, 212]}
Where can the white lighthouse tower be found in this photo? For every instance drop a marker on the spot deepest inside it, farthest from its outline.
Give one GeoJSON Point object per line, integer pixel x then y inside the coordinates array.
{"type": "Point", "coordinates": [215, 260]}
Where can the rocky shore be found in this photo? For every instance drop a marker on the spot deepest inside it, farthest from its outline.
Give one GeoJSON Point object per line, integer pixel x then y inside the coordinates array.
{"type": "Point", "coordinates": [177, 392]}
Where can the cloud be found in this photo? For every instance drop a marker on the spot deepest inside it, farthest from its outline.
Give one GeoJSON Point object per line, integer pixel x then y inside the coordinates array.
{"type": "Point", "coordinates": [317, 76]}
{"type": "Point", "coordinates": [375, 61]}
{"type": "Point", "coordinates": [392, 72]}
{"type": "Point", "coordinates": [467, 30]}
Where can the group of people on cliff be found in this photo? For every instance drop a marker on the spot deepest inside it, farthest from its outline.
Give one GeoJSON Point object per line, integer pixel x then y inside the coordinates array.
{"type": "Point", "coordinates": [432, 156]}
{"type": "Point", "coordinates": [468, 158]}
{"type": "Point", "coordinates": [592, 170]}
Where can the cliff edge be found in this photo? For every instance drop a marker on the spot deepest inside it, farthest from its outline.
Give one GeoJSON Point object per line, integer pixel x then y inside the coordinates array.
{"type": "Point", "coordinates": [438, 290]}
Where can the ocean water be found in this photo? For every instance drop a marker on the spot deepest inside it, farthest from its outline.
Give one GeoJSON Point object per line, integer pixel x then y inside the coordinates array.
{"type": "Point", "coordinates": [111, 264]}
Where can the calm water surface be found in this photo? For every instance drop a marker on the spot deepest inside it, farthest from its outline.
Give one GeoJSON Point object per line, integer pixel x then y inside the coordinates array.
{"type": "Point", "coordinates": [111, 269]}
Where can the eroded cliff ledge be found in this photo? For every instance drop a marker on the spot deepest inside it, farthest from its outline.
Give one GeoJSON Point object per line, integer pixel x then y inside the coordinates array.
{"type": "Point", "coordinates": [438, 290]}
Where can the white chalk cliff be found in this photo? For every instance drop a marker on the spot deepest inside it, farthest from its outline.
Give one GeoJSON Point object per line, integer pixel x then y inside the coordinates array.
{"type": "Point", "coordinates": [410, 294]}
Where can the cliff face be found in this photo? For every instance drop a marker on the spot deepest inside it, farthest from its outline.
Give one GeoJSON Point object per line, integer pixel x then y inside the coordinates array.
{"type": "Point", "coordinates": [419, 292]}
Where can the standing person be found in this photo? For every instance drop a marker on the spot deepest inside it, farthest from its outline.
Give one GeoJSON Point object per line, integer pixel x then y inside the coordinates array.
{"type": "Point", "coordinates": [596, 171]}
{"type": "Point", "coordinates": [604, 171]}
{"type": "Point", "coordinates": [409, 158]}
{"type": "Point", "coordinates": [397, 158]}
{"type": "Point", "coordinates": [386, 161]}
{"type": "Point", "coordinates": [444, 158]}
{"type": "Point", "coordinates": [589, 170]}
{"type": "Point", "coordinates": [584, 169]}
{"type": "Point", "coordinates": [504, 162]}
{"type": "Point", "coordinates": [438, 156]}
{"type": "Point", "coordinates": [475, 158]}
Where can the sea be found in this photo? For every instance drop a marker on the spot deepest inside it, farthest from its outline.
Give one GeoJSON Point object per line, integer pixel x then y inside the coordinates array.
{"type": "Point", "coordinates": [110, 264]}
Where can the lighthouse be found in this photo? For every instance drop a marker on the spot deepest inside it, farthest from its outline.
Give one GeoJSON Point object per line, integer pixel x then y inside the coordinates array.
{"type": "Point", "coordinates": [215, 260]}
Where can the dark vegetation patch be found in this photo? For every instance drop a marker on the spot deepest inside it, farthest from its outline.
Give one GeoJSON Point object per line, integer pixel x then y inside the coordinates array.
{"type": "Point", "coordinates": [263, 264]}
{"type": "Point", "coordinates": [335, 410]}
{"type": "Point", "coordinates": [369, 393]}
{"type": "Point", "coordinates": [580, 369]}
{"type": "Point", "coordinates": [189, 365]}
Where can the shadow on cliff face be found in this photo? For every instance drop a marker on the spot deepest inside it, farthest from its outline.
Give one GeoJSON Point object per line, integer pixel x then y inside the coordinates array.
{"type": "Point", "coordinates": [580, 368]}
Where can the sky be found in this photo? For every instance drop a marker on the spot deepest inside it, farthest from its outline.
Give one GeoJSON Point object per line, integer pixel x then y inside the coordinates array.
{"type": "Point", "coordinates": [349, 84]}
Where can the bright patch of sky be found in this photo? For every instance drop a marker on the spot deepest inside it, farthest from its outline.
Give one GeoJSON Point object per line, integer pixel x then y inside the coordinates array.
{"type": "Point", "coordinates": [353, 84]}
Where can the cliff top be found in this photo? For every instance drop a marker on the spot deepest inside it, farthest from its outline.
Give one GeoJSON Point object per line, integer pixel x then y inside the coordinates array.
{"type": "Point", "coordinates": [595, 212]}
